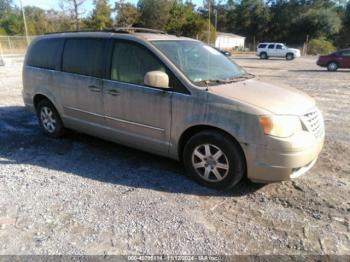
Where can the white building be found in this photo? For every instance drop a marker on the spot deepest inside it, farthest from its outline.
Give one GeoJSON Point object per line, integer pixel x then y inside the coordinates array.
{"type": "Point", "coordinates": [229, 41]}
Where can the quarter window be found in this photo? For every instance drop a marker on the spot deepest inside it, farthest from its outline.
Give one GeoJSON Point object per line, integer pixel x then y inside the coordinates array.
{"type": "Point", "coordinates": [44, 53]}
{"type": "Point", "coordinates": [84, 56]}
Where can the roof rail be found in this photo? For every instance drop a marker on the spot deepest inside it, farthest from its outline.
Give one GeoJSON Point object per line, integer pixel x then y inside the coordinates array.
{"type": "Point", "coordinates": [86, 31]}
{"type": "Point", "coordinates": [138, 30]}
{"type": "Point", "coordinates": [120, 30]}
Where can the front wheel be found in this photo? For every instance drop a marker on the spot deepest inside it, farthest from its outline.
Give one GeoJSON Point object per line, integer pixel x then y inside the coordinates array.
{"type": "Point", "coordinates": [332, 66]}
{"type": "Point", "coordinates": [214, 160]}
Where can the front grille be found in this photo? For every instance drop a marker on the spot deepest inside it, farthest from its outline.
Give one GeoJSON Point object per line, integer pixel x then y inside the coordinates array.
{"type": "Point", "coordinates": [313, 122]}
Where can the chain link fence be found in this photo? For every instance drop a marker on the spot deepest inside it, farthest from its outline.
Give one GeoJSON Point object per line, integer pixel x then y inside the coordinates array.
{"type": "Point", "coordinates": [14, 44]}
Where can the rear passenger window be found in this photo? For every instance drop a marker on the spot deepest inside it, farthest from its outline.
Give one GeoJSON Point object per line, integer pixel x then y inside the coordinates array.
{"type": "Point", "coordinates": [271, 47]}
{"type": "Point", "coordinates": [346, 53]}
{"type": "Point", "coordinates": [84, 56]}
{"type": "Point", "coordinates": [262, 46]}
{"type": "Point", "coordinates": [44, 53]}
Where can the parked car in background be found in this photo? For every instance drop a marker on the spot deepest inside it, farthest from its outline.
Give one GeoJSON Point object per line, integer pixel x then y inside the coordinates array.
{"type": "Point", "coordinates": [266, 50]}
{"type": "Point", "coordinates": [176, 97]}
{"type": "Point", "coordinates": [224, 52]}
{"type": "Point", "coordinates": [339, 59]}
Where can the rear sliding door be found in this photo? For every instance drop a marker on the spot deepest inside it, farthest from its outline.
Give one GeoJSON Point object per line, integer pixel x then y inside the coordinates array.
{"type": "Point", "coordinates": [81, 85]}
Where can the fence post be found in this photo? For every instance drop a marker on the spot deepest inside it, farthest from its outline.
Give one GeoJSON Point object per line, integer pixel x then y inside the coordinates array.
{"type": "Point", "coordinates": [2, 61]}
{"type": "Point", "coordinates": [9, 42]}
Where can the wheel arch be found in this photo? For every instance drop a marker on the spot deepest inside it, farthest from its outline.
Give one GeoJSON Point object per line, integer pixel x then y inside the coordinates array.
{"type": "Point", "coordinates": [333, 61]}
{"type": "Point", "coordinates": [193, 130]}
{"type": "Point", "coordinates": [40, 97]}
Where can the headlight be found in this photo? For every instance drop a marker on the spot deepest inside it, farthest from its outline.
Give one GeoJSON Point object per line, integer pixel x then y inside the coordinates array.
{"type": "Point", "coordinates": [280, 126]}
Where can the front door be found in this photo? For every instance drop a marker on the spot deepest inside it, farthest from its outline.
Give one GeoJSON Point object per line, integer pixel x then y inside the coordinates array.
{"type": "Point", "coordinates": [345, 61]}
{"type": "Point", "coordinates": [279, 51]}
{"type": "Point", "coordinates": [139, 115]}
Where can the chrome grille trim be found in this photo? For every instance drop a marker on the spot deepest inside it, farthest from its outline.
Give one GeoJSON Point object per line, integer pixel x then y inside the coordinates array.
{"type": "Point", "coordinates": [314, 123]}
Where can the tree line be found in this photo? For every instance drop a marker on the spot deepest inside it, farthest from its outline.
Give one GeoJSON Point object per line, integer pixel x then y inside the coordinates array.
{"type": "Point", "coordinates": [290, 21]}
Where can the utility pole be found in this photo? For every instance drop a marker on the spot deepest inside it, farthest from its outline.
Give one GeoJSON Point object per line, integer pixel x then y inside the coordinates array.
{"type": "Point", "coordinates": [209, 23]}
{"type": "Point", "coordinates": [25, 22]}
{"type": "Point", "coordinates": [216, 19]}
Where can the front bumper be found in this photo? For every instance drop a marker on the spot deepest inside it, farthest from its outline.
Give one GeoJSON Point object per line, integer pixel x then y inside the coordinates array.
{"type": "Point", "coordinates": [293, 159]}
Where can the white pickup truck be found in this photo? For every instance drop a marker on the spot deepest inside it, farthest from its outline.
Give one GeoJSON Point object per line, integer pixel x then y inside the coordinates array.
{"type": "Point", "coordinates": [266, 50]}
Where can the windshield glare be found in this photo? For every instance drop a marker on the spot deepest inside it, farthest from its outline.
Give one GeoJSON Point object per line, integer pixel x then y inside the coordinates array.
{"type": "Point", "coordinates": [200, 62]}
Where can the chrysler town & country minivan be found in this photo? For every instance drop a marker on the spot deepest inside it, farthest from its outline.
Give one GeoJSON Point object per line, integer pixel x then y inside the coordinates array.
{"type": "Point", "coordinates": [176, 97]}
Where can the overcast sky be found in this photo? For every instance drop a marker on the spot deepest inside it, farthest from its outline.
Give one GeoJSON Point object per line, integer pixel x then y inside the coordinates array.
{"type": "Point", "coordinates": [48, 4]}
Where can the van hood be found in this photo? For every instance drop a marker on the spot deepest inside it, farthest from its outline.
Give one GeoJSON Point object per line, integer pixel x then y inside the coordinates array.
{"type": "Point", "coordinates": [276, 99]}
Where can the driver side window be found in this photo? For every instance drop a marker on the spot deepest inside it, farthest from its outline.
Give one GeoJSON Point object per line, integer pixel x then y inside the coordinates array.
{"type": "Point", "coordinates": [131, 62]}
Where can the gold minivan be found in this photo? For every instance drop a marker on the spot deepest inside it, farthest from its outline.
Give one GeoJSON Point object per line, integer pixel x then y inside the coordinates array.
{"type": "Point", "coordinates": [176, 97]}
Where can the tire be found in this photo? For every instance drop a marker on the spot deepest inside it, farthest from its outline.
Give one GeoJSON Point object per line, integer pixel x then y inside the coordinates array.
{"type": "Point", "coordinates": [223, 151]}
{"type": "Point", "coordinates": [49, 119]}
{"type": "Point", "coordinates": [332, 66]}
{"type": "Point", "coordinates": [263, 55]}
{"type": "Point", "coordinates": [289, 56]}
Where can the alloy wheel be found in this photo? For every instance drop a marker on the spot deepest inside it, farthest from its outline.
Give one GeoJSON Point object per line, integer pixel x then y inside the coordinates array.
{"type": "Point", "coordinates": [47, 119]}
{"type": "Point", "coordinates": [210, 163]}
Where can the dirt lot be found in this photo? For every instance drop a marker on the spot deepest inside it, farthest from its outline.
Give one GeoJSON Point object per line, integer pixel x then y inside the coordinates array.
{"type": "Point", "coordinates": [81, 195]}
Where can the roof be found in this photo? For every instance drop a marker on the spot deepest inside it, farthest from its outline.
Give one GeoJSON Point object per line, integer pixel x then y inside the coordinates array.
{"type": "Point", "coordinates": [143, 33]}
{"type": "Point", "coordinates": [229, 35]}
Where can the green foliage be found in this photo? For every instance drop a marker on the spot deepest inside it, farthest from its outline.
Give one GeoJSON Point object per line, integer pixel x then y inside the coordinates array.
{"type": "Point", "coordinates": [319, 46]}
{"type": "Point", "coordinates": [127, 14]}
{"type": "Point", "coordinates": [155, 13]}
{"type": "Point", "coordinates": [184, 21]}
{"type": "Point", "coordinates": [101, 16]}
{"type": "Point", "coordinates": [288, 21]}
{"type": "Point", "coordinates": [343, 40]}
{"type": "Point", "coordinates": [250, 18]}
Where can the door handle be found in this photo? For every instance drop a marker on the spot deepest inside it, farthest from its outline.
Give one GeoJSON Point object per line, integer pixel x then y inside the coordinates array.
{"type": "Point", "coordinates": [113, 92]}
{"type": "Point", "coordinates": [95, 89]}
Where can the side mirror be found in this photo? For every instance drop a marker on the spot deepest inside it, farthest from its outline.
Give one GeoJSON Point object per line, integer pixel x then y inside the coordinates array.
{"type": "Point", "coordinates": [156, 79]}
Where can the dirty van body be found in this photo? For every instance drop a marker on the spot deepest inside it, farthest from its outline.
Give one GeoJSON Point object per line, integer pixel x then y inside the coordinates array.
{"type": "Point", "coordinates": [174, 97]}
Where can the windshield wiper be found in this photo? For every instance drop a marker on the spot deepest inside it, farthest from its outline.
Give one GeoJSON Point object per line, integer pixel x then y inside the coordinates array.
{"type": "Point", "coordinates": [240, 78]}
{"type": "Point", "coordinates": [212, 82]}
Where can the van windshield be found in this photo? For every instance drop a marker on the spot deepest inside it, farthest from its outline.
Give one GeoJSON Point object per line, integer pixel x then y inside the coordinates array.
{"type": "Point", "coordinates": [202, 64]}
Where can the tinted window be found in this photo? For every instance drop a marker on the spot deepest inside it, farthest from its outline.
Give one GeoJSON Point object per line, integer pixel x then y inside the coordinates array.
{"type": "Point", "coordinates": [271, 47]}
{"type": "Point", "coordinates": [262, 46]}
{"type": "Point", "coordinates": [345, 53]}
{"type": "Point", "coordinates": [84, 57]}
{"type": "Point", "coordinates": [131, 62]}
{"type": "Point", "coordinates": [44, 53]}
{"type": "Point", "coordinates": [279, 47]}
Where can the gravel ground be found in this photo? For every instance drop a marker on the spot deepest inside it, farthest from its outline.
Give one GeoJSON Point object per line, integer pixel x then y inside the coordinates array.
{"type": "Point", "coordinates": [82, 195]}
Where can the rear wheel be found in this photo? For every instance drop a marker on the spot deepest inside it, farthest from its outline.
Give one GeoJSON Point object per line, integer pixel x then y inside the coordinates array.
{"type": "Point", "coordinates": [332, 66]}
{"type": "Point", "coordinates": [290, 56]}
{"type": "Point", "coordinates": [49, 119]}
{"type": "Point", "coordinates": [214, 160]}
{"type": "Point", "coordinates": [263, 55]}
